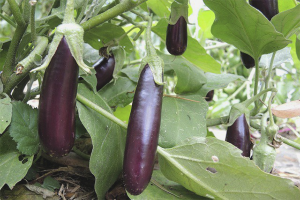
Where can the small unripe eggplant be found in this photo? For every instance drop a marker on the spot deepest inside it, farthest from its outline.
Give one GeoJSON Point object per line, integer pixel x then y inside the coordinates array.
{"type": "Point", "coordinates": [238, 134]}
{"type": "Point", "coordinates": [210, 95]}
{"type": "Point", "coordinates": [104, 70]}
{"type": "Point", "coordinates": [268, 7]}
{"type": "Point", "coordinates": [56, 124]}
{"type": "Point", "coordinates": [176, 40]}
{"type": "Point", "coordinates": [247, 60]}
{"type": "Point", "coordinates": [142, 133]}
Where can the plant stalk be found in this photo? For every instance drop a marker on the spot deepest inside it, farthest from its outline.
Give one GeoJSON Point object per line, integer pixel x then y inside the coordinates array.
{"type": "Point", "coordinates": [100, 110]}
{"type": "Point", "coordinates": [120, 8]}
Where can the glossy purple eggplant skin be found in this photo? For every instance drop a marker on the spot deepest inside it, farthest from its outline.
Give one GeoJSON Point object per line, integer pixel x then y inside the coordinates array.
{"type": "Point", "coordinates": [142, 133]}
{"type": "Point", "coordinates": [56, 125]}
{"type": "Point", "coordinates": [210, 95]}
{"type": "Point", "coordinates": [238, 134]}
{"type": "Point", "coordinates": [104, 70]}
{"type": "Point", "coordinates": [247, 60]}
{"type": "Point", "coordinates": [268, 7]}
{"type": "Point", "coordinates": [176, 40]}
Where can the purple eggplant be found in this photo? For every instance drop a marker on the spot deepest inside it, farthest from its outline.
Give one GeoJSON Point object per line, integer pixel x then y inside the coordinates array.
{"type": "Point", "coordinates": [269, 8]}
{"type": "Point", "coordinates": [247, 60]}
{"type": "Point", "coordinates": [142, 133]}
{"type": "Point", "coordinates": [176, 40]}
{"type": "Point", "coordinates": [238, 134]}
{"type": "Point", "coordinates": [56, 124]}
{"type": "Point", "coordinates": [210, 95]}
{"type": "Point", "coordinates": [104, 70]}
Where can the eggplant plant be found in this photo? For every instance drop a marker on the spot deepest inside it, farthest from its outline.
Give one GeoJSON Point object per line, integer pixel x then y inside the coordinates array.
{"type": "Point", "coordinates": [140, 123]}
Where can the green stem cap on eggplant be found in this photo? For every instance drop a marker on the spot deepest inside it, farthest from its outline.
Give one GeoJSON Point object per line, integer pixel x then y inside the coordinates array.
{"type": "Point", "coordinates": [73, 34]}
{"type": "Point", "coordinates": [56, 124]}
{"type": "Point", "coordinates": [142, 133]}
{"type": "Point", "coordinates": [238, 134]}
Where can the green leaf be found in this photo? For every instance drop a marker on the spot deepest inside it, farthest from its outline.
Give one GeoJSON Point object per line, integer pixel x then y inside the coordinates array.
{"type": "Point", "coordinates": [108, 142]}
{"type": "Point", "coordinates": [90, 54]}
{"type": "Point", "coordinates": [246, 28]}
{"type": "Point", "coordinates": [158, 186]}
{"type": "Point", "coordinates": [119, 55]}
{"type": "Point", "coordinates": [181, 119]}
{"type": "Point", "coordinates": [50, 184]}
{"type": "Point", "coordinates": [6, 112]}
{"type": "Point", "coordinates": [214, 168]}
{"type": "Point", "coordinates": [194, 53]}
{"type": "Point", "coordinates": [132, 73]}
{"type": "Point", "coordinates": [118, 93]}
{"type": "Point", "coordinates": [281, 56]}
{"type": "Point", "coordinates": [190, 77]}
{"type": "Point", "coordinates": [160, 7]}
{"type": "Point", "coordinates": [218, 81]}
{"type": "Point", "coordinates": [107, 32]}
{"type": "Point", "coordinates": [123, 113]}
{"type": "Point", "coordinates": [285, 5]}
{"type": "Point", "coordinates": [24, 128]}
{"type": "Point", "coordinates": [12, 170]}
{"type": "Point", "coordinates": [287, 22]}
{"type": "Point", "coordinates": [205, 21]}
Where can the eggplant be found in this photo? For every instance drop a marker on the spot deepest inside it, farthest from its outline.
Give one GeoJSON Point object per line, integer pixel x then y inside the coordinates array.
{"type": "Point", "coordinates": [56, 121]}
{"type": "Point", "coordinates": [238, 134]}
{"type": "Point", "coordinates": [269, 8]}
{"type": "Point", "coordinates": [176, 40]}
{"type": "Point", "coordinates": [104, 70]}
{"type": "Point", "coordinates": [210, 95]}
{"type": "Point", "coordinates": [247, 60]}
{"type": "Point", "coordinates": [142, 133]}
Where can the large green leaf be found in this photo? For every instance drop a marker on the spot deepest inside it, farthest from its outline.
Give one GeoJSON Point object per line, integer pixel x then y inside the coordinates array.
{"type": "Point", "coordinates": [194, 53]}
{"type": "Point", "coordinates": [285, 5]}
{"type": "Point", "coordinates": [246, 28]}
{"type": "Point", "coordinates": [160, 7]}
{"type": "Point", "coordinates": [287, 22]}
{"type": "Point", "coordinates": [6, 112]}
{"type": "Point", "coordinates": [214, 168]}
{"type": "Point", "coordinates": [161, 188]}
{"type": "Point", "coordinates": [218, 81]}
{"type": "Point", "coordinates": [24, 128]}
{"type": "Point", "coordinates": [107, 32]}
{"type": "Point", "coordinates": [205, 21]}
{"type": "Point", "coordinates": [108, 142]}
{"type": "Point", "coordinates": [118, 93]}
{"type": "Point", "coordinates": [12, 169]}
{"type": "Point", "coordinates": [182, 118]}
{"type": "Point", "coordinates": [189, 77]}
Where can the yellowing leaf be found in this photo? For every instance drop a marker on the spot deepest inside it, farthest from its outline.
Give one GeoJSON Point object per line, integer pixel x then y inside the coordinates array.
{"type": "Point", "coordinates": [287, 110]}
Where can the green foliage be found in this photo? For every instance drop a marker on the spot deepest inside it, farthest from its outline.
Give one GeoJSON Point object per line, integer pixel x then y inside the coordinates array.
{"type": "Point", "coordinates": [108, 143]}
{"type": "Point", "coordinates": [287, 22]}
{"type": "Point", "coordinates": [183, 117]}
{"type": "Point", "coordinates": [208, 167]}
{"type": "Point", "coordinates": [245, 27]}
{"type": "Point", "coordinates": [13, 166]}
{"type": "Point", "coordinates": [6, 112]}
{"type": "Point", "coordinates": [24, 128]}
{"type": "Point", "coordinates": [194, 53]}
{"type": "Point", "coordinates": [106, 33]}
{"type": "Point", "coordinates": [162, 188]}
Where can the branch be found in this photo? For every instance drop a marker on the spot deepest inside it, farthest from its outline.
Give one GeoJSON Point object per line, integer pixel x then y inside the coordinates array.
{"type": "Point", "coordinates": [120, 8]}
